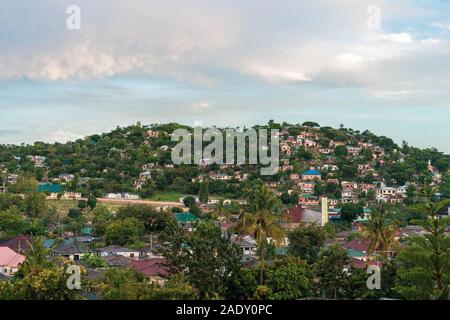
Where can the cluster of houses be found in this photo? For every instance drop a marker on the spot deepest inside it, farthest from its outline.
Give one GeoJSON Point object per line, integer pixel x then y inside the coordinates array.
{"type": "Point", "coordinates": [13, 253]}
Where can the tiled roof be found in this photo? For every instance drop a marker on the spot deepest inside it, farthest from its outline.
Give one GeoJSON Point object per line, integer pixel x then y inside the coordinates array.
{"type": "Point", "coordinates": [151, 267]}
{"type": "Point", "coordinates": [358, 245]}
{"type": "Point", "coordinates": [114, 249]}
{"type": "Point", "coordinates": [118, 261]}
{"type": "Point", "coordinates": [20, 243]}
{"type": "Point", "coordinates": [10, 258]}
{"type": "Point", "coordinates": [71, 249]}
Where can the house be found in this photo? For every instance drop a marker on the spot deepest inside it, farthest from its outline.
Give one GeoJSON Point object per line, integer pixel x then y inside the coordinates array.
{"type": "Point", "coordinates": [71, 251]}
{"type": "Point", "coordinates": [9, 261]}
{"type": "Point", "coordinates": [307, 187]}
{"type": "Point", "coordinates": [118, 251]}
{"type": "Point", "coordinates": [152, 268]}
{"type": "Point", "coordinates": [353, 151]}
{"type": "Point", "coordinates": [19, 244]}
{"type": "Point", "coordinates": [285, 148]}
{"type": "Point", "coordinates": [287, 167]}
{"type": "Point", "coordinates": [124, 196]}
{"type": "Point", "coordinates": [221, 176]}
{"type": "Point", "coordinates": [49, 188]}
{"type": "Point", "coordinates": [118, 261]}
{"type": "Point", "coordinates": [311, 174]}
{"type": "Point", "coordinates": [308, 200]}
{"type": "Point", "coordinates": [358, 249]}
{"type": "Point", "coordinates": [294, 176]}
{"type": "Point", "coordinates": [246, 243]}
{"type": "Point", "coordinates": [293, 217]}
{"type": "Point", "coordinates": [147, 166]}
{"type": "Point", "coordinates": [39, 161]}
{"type": "Point", "coordinates": [146, 175]}
{"type": "Point", "coordinates": [66, 177]}
{"type": "Point", "coordinates": [186, 217]}
{"type": "Point", "coordinates": [152, 134]}
{"type": "Point", "coordinates": [309, 143]}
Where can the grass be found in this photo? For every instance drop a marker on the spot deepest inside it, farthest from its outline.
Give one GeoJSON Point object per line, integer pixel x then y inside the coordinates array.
{"type": "Point", "coordinates": [169, 196]}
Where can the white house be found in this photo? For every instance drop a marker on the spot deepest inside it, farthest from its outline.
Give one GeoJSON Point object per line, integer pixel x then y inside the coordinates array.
{"type": "Point", "coordinates": [118, 251]}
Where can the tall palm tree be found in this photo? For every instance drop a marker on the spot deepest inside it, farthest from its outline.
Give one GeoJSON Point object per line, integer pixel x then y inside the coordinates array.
{"type": "Point", "coordinates": [380, 230]}
{"type": "Point", "coordinates": [260, 220]}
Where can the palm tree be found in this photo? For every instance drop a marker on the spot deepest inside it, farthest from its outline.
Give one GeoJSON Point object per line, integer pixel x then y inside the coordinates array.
{"type": "Point", "coordinates": [36, 259]}
{"type": "Point", "coordinates": [221, 210]}
{"type": "Point", "coordinates": [380, 230]}
{"type": "Point", "coordinates": [260, 220]}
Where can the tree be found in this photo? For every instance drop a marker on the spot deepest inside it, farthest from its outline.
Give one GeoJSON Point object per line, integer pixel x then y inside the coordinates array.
{"type": "Point", "coordinates": [12, 223]}
{"type": "Point", "coordinates": [289, 279]}
{"type": "Point", "coordinates": [330, 270]}
{"type": "Point", "coordinates": [341, 151]}
{"type": "Point", "coordinates": [92, 202]}
{"type": "Point", "coordinates": [35, 204]}
{"type": "Point", "coordinates": [102, 218]}
{"type": "Point", "coordinates": [425, 262]}
{"type": "Point", "coordinates": [260, 220]}
{"type": "Point", "coordinates": [82, 204]}
{"type": "Point", "coordinates": [444, 188]}
{"type": "Point", "coordinates": [380, 230]}
{"type": "Point", "coordinates": [153, 220]}
{"type": "Point", "coordinates": [310, 124]}
{"type": "Point", "coordinates": [351, 211]}
{"type": "Point", "coordinates": [305, 241]}
{"type": "Point", "coordinates": [207, 258]}
{"type": "Point", "coordinates": [189, 202]}
{"type": "Point", "coordinates": [50, 283]}
{"type": "Point", "coordinates": [126, 232]}
{"type": "Point", "coordinates": [204, 192]}
{"type": "Point", "coordinates": [94, 261]}
{"type": "Point", "coordinates": [128, 284]}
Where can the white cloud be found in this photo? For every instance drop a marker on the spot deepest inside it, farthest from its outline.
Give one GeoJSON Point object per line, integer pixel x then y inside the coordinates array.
{"type": "Point", "coordinates": [401, 38]}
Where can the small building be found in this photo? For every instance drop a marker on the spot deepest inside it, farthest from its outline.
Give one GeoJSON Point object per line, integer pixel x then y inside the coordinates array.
{"type": "Point", "coordinates": [152, 268]}
{"type": "Point", "coordinates": [73, 252]}
{"type": "Point", "coordinates": [118, 251]}
{"type": "Point", "coordinates": [9, 261]}
{"type": "Point", "coordinates": [311, 174]}
{"type": "Point", "coordinates": [50, 188]}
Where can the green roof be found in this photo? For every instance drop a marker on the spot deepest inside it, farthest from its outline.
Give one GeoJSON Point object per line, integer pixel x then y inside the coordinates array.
{"type": "Point", "coordinates": [52, 188]}
{"type": "Point", "coordinates": [186, 217]}
{"type": "Point", "coordinates": [355, 253]}
{"type": "Point", "coordinates": [281, 250]}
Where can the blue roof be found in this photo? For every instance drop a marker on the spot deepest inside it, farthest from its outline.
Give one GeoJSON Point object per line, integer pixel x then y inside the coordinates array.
{"type": "Point", "coordinates": [47, 187]}
{"type": "Point", "coordinates": [311, 173]}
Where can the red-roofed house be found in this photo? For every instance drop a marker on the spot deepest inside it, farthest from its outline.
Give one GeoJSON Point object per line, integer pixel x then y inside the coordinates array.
{"type": "Point", "coordinates": [19, 244]}
{"type": "Point", "coordinates": [153, 268]}
{"type": "Point", "coordinates": [9, 261]}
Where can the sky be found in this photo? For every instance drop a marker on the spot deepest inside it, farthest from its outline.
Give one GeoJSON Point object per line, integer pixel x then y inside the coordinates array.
{"type": "Point", "coordinates": [381, 65]}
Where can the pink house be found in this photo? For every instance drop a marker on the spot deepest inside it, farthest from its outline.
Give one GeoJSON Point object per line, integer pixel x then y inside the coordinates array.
{"type": "Point", "coordinates": [9, 261]}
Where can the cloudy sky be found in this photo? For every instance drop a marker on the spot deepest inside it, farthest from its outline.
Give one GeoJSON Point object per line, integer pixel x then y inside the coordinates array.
{"type": "Point", "coordinates": [227, 62]}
